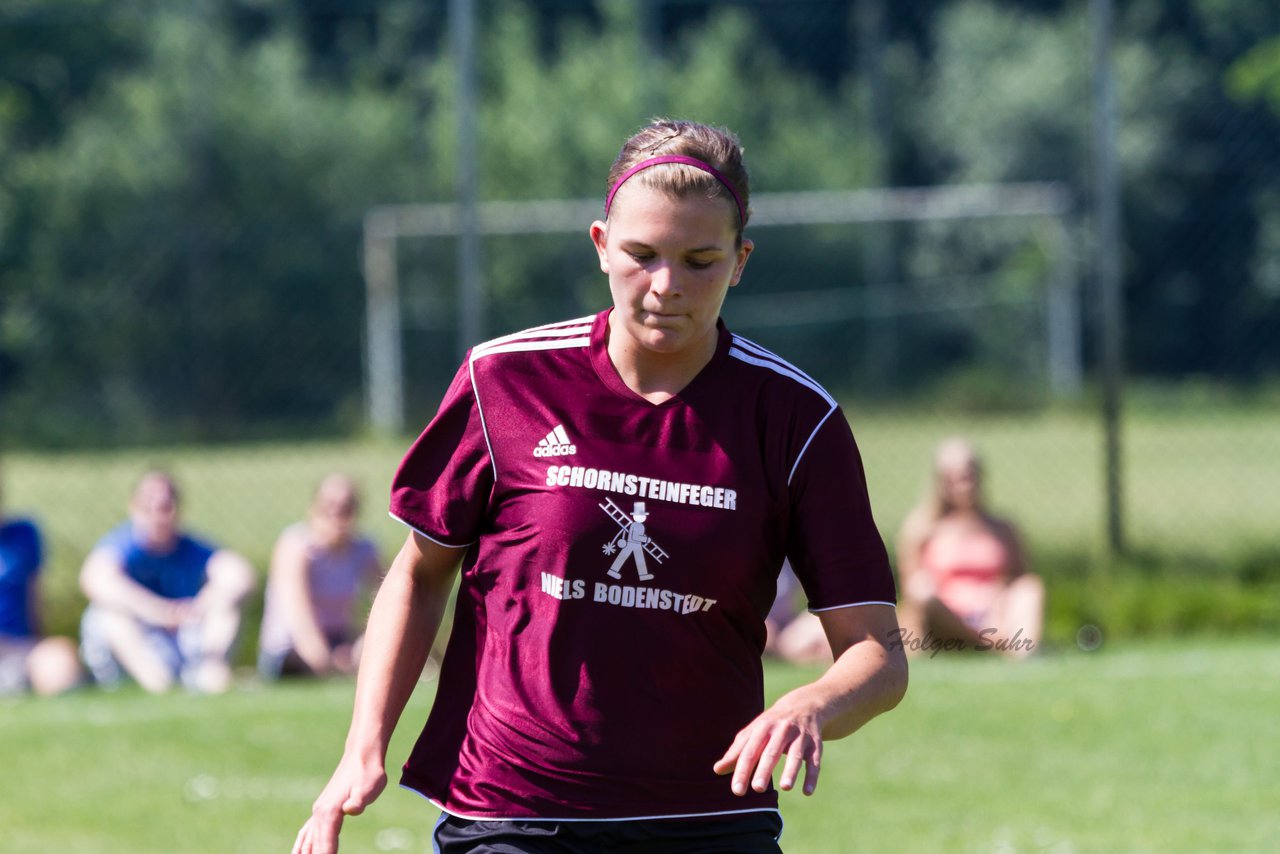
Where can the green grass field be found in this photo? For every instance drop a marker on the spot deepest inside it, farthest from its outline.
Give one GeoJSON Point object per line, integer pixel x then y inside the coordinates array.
{"type": "Point", "coordinates": [1150, 747]}
{"type": "Point", "coordinates": [1145, 748]}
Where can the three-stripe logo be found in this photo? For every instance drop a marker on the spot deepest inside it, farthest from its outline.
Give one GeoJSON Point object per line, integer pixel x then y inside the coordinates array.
{"type": "Point", "coordinates": [555, 444]}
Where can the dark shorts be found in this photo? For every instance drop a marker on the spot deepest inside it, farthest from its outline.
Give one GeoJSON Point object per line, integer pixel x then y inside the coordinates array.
{"type": "Point", "coordinates": [747, 833]}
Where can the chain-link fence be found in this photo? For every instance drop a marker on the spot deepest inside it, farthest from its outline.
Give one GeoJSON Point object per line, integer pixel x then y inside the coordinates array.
{"type": "Point", "coordinates": [186, 195]}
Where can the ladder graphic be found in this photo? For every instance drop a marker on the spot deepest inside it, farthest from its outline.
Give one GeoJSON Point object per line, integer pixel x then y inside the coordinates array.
{"type": "Point", "coordinates": [623, 521]}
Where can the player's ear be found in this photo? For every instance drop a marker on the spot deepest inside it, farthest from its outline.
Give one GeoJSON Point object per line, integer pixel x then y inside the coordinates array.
{"type": "Point", "coordinates": [599, 236]}
{"type": "Point", "coordinates": [744, 252]}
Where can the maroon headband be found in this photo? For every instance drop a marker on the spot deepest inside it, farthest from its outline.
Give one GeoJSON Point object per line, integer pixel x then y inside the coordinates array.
{"type": "Point", "coordinates": [687, 161]}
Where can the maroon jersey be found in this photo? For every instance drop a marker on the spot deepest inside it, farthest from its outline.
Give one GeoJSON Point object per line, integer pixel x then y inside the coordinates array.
{"type": "Point", "coordinates": [622, 556]}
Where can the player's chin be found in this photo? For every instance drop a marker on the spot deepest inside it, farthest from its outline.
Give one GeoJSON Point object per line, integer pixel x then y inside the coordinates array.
{"type": "Point", "coordinates": [664, 341]}
{"type": "Point", "coordinates": [663, 334]}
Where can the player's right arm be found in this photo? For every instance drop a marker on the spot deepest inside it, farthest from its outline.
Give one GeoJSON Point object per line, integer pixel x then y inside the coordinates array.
{"type": "Point", "coordinates": [402, 626]}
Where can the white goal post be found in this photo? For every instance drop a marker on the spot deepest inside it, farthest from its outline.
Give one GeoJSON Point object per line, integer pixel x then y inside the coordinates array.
{"type": "Point", "coordinates": [385, 225]}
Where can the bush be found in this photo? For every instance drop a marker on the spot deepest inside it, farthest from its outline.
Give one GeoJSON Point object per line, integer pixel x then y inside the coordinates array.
{"type": "Point", "coordinates": [1150, 596]}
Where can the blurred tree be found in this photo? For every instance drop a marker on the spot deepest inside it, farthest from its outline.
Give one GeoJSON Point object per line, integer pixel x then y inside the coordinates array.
{"type": "Point", "coordinates": [1252, 80]}
{"type": "Point", "coordinates": [53, 56]}
{"type": "Point", "coordinates": [190, 261]}
{"type": "Point", "coordinates": [1006, 98]}
{"type": "Point", "coordinates": [181, 187]}
{"type": "Point", "coordinates": [190, 265]}
{"type": "Point", "coordinates": [553, 117]}
{"type": "Point", "coordinates": [1194, 225]}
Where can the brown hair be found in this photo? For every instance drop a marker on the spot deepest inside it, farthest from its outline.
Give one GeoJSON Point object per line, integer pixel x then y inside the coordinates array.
{"type": "Point", "coordinates": [717, 147]}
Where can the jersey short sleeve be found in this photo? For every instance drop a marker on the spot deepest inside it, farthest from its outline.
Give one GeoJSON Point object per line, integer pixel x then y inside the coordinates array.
{"type": "Point", "coordinates": [442, 487]}
{"type": "Point", "coordinates": [833, 544]}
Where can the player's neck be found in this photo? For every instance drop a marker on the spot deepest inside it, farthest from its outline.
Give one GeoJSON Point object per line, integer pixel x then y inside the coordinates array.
{"type": "Point", "coordinates": [658, 377]}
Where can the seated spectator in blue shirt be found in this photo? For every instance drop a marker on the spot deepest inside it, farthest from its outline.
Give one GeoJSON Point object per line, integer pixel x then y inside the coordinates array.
{"type": "Point", "coordinates": [164, 607]}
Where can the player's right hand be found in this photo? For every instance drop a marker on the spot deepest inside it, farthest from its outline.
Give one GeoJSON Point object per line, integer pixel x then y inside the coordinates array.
{"type": "Point", "coordinates": [354, 785]}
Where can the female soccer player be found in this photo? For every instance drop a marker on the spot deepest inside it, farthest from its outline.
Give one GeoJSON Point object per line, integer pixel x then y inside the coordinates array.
{"type": "Point", "coordinates": [621, 491]}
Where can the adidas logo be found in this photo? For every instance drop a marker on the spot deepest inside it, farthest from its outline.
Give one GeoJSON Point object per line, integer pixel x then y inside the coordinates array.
{"type": "Point", "coordinates": [556, 444]}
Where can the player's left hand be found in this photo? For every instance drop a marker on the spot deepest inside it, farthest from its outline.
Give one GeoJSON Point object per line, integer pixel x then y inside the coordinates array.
{"type": "Point", "coordinates": [792, 726]}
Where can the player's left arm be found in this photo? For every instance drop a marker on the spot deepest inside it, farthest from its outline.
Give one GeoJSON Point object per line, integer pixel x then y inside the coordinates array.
{"type": "Point", "coordinates": [867, 678]}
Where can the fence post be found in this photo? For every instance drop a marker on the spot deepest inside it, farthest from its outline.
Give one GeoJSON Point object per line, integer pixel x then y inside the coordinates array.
{"type": "Point", "coordinates": [471, 297]}
{"type": "Point", "coordinates": [384, 360]}
{"type": "Point", "coordinates": [1066, 374]}
{"type": "Point", "coordinates": [880, 265]}
{"type": "Point", "coordinates": [1106, 222]}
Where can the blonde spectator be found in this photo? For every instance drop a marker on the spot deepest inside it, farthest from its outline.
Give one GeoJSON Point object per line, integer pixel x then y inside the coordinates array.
{"type": "Point", "coordinates": [963, 570]}
{"type": "Point", "coordinates": [319, 572]}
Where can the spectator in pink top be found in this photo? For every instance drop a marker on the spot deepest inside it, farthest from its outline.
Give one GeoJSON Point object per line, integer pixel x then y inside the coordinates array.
{"type": "Point", "coordinates": [963, 570]}
{"type": "Point", "coordinates": [319, 572]}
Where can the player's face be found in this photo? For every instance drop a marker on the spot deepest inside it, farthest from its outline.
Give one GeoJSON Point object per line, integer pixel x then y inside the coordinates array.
{"type": "Point", "coordinates": [670, 262]}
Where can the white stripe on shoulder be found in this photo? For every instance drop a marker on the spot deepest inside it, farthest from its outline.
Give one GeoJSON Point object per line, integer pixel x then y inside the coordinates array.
{"type": "Point", "coordinates": [754, 354]}
{"type": "Point", "coordinates": [425, 534]}
{"type": "Point", "coordinates": [484, 426]}
{"type": "Point", "coordinates": [807, 443]}
{"type": "Point", "coordinates": [524, 346]}
{"type": "Point", "coordinates": [578, 326]}
{"type": "Point", "coordinates": [552, 336]}
{"type": "Point", "coordinates": [755, 349]}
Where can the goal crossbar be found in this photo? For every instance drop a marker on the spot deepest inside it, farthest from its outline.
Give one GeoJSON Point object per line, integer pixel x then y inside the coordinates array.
{"type": "Point", "coordinates": [384, 225]}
